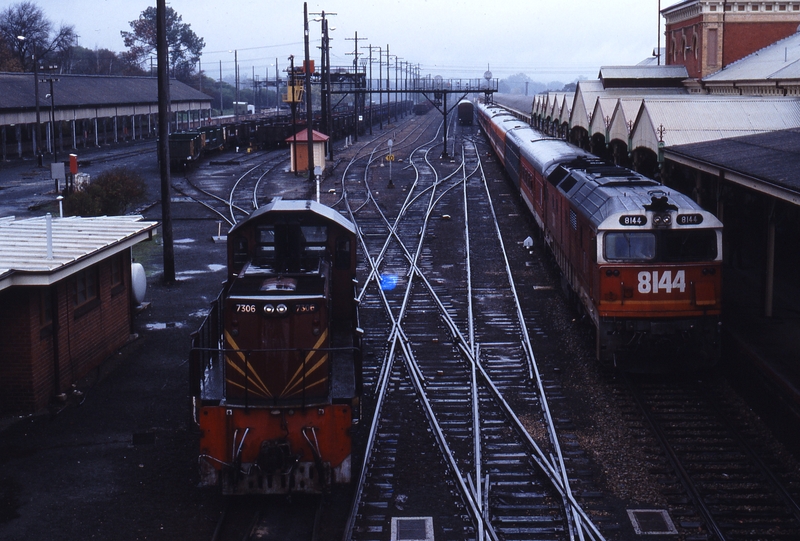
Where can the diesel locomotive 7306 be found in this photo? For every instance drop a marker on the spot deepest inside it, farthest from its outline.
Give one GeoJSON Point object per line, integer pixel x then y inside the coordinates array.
{"type": "Point", "coordinates": [276, 367]}
{"type": "Point", "coordinates": [642, 260]}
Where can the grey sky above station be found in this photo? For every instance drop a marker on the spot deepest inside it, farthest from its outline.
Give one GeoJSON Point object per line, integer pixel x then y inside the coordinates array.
{"type": "Point", "coordinates": [546, 40]}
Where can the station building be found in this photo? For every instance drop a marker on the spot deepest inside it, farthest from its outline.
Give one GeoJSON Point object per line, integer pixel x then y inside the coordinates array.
{"type": "Point", "coordinates": [80, 111]}
{"type": "Point", "coordinates": [66, 302]}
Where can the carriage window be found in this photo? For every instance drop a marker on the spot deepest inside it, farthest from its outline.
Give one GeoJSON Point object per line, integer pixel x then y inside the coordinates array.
{"type": "Point", "coordinates": [639, 246]}
{"type": "Point", "coordinates": [691, 245]}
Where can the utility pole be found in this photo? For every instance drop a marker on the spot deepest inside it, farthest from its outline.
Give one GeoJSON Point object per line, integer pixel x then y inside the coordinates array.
{"type": "Point", "coordinates": [370, 47]}
{"type": "Point", "coordinates": [163, 139]}
{"type": "Point", "coordinates": [290, 93]}
{"type": "Point", "coordinates": [325, 86]}
{"type": "Point", "coordinates": [388, 89]}
{"type": "Point", "coordinates": [309, 110]}
{"type": "Point", "coordinates": [357, 96]}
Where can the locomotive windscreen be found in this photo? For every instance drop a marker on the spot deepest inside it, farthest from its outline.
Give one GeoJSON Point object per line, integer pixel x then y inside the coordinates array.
{"type": "Point", "coordinates": [624, 246]}
{"type": "Point", "coordinates": [290, 248]}
{"type": "Point", "coordinates": [692, 245]}
{"type": "Point", "coordinates": [666, 246]}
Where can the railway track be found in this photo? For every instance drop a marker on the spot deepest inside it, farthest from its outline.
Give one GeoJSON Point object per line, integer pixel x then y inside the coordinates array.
{"type": "Point", "coordinates": [718, 484]}
{"type": "Point", "coordinates": [443, 352]}
{"type": "Point", "coordinates": [255, 519]}
{"type": "Point", "coordinates": [232, 191]}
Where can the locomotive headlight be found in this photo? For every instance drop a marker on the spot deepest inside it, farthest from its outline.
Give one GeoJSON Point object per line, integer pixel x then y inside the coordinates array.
{"type": "Point", "coordinates": [656, 220]}
{"type": "Point", "coordinates": [667, 219]}
{"type": "Point", "coordinates": [269, 309]}
{"type": "Point", "coordinates": [281, 309]}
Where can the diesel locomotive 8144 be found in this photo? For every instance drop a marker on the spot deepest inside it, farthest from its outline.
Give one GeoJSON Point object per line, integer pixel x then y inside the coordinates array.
{"type": "Point", "coordinates": [276, 367]}
{"type": "Point", "coordinates": [643, 261]}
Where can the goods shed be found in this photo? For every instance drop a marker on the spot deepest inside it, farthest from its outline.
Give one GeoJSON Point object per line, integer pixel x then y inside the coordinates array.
{"type": "Point", "coordinates": [66, 301]}
{"type": "Point", "coordinates": [78, 111]}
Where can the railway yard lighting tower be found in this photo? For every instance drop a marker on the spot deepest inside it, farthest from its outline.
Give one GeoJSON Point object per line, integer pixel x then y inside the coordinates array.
{"type": "Point", "coordinates": [36, 150]}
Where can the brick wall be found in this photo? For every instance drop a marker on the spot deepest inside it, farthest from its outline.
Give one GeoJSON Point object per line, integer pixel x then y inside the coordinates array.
{"type": "Point", "coordinates": [15, 343]}
{"type": "Point", "coordinates": [84, 338]}
{"type": "Point", "coordinates": [741, 39]}
{"type": "Point", "coordinates": [736, 39]}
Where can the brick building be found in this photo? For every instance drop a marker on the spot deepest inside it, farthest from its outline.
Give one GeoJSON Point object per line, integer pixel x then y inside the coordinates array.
{"type": "Point", "coordinates": [707, 35]}
{"type": "Point", "coordinates": [65, 301]}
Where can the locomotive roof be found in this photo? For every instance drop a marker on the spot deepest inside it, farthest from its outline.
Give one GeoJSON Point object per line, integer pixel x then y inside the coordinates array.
{"type": "Point", "coordinates": [285, 206]}
{"type": "Point", "coordinates": [601, 191]}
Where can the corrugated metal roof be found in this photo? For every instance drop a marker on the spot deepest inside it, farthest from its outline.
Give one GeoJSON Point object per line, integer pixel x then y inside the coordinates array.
{"type": "Point", "coordinates": [643, 72]}
{"type": "Point", "coordinates": [779, 61]}
{"type": "Point", "coordinates": [702, 118]}
{"type": "Point", "coordinates": [517, 102]}
{"type": "Point", "coordinates": [76, 243]}
{"type": "Point", "coordinates": [75, 91]}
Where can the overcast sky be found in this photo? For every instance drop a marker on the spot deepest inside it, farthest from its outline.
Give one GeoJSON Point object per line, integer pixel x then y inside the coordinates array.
{"type": "Point", "coordinates": [547, 40]}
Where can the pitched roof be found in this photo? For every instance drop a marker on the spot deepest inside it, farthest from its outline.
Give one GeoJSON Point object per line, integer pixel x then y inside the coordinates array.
{"type": "Point", "coordinates": [777, 62]}
{"type": "Point", "coordinates": [27, 258]}
{"type": "Point", "coordinates": [17, 91]}
{"type": "Point", "coordinates": [302, 136]}
{"type": "Point", "coordinates": [772, 158]}
{"type": "Point", "coordinates": [705, 118]}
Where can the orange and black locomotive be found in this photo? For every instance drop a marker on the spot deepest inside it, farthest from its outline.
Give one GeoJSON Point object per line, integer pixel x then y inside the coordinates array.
{"type": "Point", "coordinates": [276, 367]}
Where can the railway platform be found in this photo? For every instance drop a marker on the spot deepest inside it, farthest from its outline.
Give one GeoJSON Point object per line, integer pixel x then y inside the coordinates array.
{"type": "Point", "coordinates": [764, 349]}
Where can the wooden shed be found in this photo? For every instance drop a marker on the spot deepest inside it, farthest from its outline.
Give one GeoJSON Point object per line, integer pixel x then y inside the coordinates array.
{"type": "Point", "coordinates": [298, 144]}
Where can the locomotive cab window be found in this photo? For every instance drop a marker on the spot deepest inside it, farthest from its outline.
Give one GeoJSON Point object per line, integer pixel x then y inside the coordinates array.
{"type": "Point", "coordinates": [690, 245]}
{"type": "Point", "coordinates": [630, 246]}
{"type": "Point", "coordinates": [265, 251]}
{"type": "Point", "coordinates": [667, 246]}
{"type": "Point", "coordinates": [315, 239]}
{"type": "Point", "coordinates": [342, 253]}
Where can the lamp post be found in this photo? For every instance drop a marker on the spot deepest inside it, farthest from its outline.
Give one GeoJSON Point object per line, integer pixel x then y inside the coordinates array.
{"type": "Point", "coordinates": [52, 116]}
{"type": "Point", "coordinates": [36, 100]}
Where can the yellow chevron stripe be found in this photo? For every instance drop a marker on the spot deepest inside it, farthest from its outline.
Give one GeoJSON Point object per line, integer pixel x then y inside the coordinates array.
{"type": "Point", "coordinates": [289, 388]}
{"type": "Point", "coordinates": [297, 377]}
{"type": "Point", "coordinates": [234, 384]}
{"type": "Point", "coordinates": [253, 376]}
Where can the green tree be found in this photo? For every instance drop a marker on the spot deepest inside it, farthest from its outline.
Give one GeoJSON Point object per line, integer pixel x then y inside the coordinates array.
{"type": "Point", "coordinates": [27, 20]}
{"type": "Point", "coordinates": [185, 47]}
{"type": "Point", "coordinates": [110, 193]}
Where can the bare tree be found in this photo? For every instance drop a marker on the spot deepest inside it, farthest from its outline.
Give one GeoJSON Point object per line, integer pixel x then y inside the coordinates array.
{"type": "Point", "coordinates": [26, 20]}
